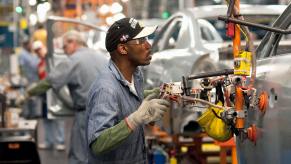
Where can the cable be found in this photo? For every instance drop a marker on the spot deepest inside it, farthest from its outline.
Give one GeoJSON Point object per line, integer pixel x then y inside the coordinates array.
{"type": "Point", "coordinates": [187, 98]}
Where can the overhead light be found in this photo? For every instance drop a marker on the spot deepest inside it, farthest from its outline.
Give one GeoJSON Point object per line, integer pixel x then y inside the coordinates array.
{"type": "Point", "coordinates": [217, 1]}
{"type": "Point", "coordinates": [42, 10]}
{"type": "Point", "coordinates": [84, 17]}
{"type": "Point", "coordinates": [19, 9]}
{"type": "Point", "coordinates": [116, 8]}
{"type": "Point", "coordinates": [104, 9]}
{"type": "Point", "coordinates": [47, 6]}
{"type": "Point", "coordinates": [32, 2]}
{"type": "Point", "coordinates": [109, 20]}
{"type": "Point", "coordinates": [32, 19]}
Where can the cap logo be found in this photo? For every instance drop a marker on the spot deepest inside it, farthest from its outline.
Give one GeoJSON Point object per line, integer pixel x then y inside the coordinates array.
{"type": "Point", "coordinates": [124, 38]}
{"type": "Point", "coordinates": [133, 22]}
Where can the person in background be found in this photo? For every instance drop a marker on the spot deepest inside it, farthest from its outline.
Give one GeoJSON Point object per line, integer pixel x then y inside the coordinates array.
{"type": "Point", "coordinates": [28, 69]}
{"type": "Point", "coordinates": [54, 134]}
{"type": "Point", "coordinates": [78, 71]}
{"type": "Point", "coordinates": [40, 34]}
{"type": "Point", "coordinates": [116, 108]}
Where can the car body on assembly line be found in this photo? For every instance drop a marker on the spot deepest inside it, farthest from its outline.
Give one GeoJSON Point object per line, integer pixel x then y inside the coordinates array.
{"type": "Point", "coordinates": [191, 40]}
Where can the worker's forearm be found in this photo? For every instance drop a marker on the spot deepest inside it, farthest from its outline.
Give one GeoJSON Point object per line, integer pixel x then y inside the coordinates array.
{"type": "Point", "coordinates": [110, 138]}
{"type": "Point", "coordinates": [40, 88]}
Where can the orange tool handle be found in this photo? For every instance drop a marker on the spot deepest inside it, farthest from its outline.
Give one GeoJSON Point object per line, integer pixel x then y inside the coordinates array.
{"type": "Point", "coordinates": [239, 102]}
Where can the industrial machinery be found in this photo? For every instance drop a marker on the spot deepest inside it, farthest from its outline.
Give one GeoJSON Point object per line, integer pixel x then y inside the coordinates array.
{"type": "Point", "coordinates": [227, 98]}
{"type": "Point", "coordinates": [17, 139]}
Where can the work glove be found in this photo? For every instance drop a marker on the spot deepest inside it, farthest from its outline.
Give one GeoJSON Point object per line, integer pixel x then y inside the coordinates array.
{"type": "Point", "coordinates": [150, 110]}
{"type": "Point", "coordinates": [25, 97]}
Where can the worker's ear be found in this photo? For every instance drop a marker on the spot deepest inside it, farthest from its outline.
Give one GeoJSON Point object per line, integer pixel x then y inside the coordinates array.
{"type": "Point", "coordinates": [122, 49]}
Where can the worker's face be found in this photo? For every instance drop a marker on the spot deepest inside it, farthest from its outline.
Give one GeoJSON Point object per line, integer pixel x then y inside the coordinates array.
{"type": "Point", "coordinates": [40, 52]}
{"type": "Point", "coordinates": [27, 46]}
{"type": "Point", "coordinates": [139, 51]}
{"type": "Point", "coordinates": [70, 46]}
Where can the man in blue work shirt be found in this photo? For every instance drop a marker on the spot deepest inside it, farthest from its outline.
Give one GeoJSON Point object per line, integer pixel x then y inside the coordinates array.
{"type": "Point", "coordinates": [78, 71]}
{"type": "Point", "coordinates": [116, 108]}
{"type": "Point", "coordinates": [28, 66]}
{"type": "Point", "coordinates": [28, 62]}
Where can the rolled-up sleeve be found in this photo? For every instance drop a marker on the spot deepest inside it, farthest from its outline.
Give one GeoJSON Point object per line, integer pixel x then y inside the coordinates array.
{"type": "Point", "coordinates": [103, 109]}
{"type": "Point", "coordinates": [62, 74]}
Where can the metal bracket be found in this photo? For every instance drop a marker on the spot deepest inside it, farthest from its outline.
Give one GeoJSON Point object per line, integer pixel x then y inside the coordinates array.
{"type": "Point", "coordinates": [241, 114]}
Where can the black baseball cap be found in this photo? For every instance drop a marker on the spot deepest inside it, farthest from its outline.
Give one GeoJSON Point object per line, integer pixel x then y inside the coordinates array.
{"type": "Point", "coordinates": [124, 30]}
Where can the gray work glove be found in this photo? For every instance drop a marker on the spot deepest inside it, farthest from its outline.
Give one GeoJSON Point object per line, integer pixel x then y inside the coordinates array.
{"type": "Point", "coordinates": [150, 110]}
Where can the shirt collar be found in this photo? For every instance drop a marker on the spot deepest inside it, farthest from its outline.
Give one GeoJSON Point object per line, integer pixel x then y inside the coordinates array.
{"type": "Point", "coordinates": [118, 75]}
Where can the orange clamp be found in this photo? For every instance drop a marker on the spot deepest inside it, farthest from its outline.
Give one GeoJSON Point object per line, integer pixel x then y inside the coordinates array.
{"type": "Point", "coordinates": [263, 101]}
{"type": "Point", "coordinates": [252, 133]}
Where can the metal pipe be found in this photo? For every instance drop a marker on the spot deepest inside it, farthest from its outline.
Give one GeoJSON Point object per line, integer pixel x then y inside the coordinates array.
{"type": "Point", "coordinates": [242, 22]}
{"type": "Point", "coordinates": [75, 21]}
{"type": "Point", "coordinates": [230, 8]}
{"type": "Point", "coordinates": [186, 88]}
{"type": "Point", "coordinates": [210, 74]}
{"type": "Point", "coordinates": [188, 98]}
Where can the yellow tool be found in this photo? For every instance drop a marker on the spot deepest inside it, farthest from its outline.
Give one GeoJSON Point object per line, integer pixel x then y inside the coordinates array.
{"type": "Point", "coordinates": [213, 125]}
{"type": "Point", "coordinates": [242, 63]}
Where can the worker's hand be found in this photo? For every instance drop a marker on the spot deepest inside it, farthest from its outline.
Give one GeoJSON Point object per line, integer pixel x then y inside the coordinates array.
{"type": "Point", "coordinates": [150, 110]}
{"type": "Point", "coordinates": [21, 99]}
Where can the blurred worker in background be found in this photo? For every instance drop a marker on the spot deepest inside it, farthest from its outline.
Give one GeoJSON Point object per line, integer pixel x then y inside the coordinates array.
{"type": "Point", "coordinates": [54, 134]}
{"type": "Point", "coordinates": [77, 72]}
{"type": "Point", "coordinates": [40, 34]}
{"type": "Point", "coordinates": [28, 68]}
{"type": "Point", "coordinates": [117, 110]}
{"type": "Point", "coordinates": [28, 62]}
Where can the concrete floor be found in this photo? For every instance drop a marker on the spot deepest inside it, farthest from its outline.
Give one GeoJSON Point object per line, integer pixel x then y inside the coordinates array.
{"type": "Point", "coordinates": [53, 156]}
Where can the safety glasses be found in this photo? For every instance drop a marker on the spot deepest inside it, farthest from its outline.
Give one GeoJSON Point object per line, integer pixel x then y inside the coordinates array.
{"type": "Point", "coordinates": [137, 41]}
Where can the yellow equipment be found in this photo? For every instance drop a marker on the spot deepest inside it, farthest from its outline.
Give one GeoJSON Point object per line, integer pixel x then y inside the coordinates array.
{"type": "Point", "coordinates": [242, 63]}
{"type": "Point", "coordinates": [213, 125]}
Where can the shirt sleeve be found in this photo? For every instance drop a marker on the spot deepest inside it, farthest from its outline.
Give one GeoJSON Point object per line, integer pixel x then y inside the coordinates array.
{"type": "Point", "coordinates": [39, 88]}
{"type": "Point", "coordinates": [62, 74]}
{"type": "Point", "coordinates": [110, 138]}
{"type": "Point", "coordinates": [103, 112]}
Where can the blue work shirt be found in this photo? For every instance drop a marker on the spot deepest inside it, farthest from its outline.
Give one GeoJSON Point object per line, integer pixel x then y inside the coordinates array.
{"type": "Point", "coordinates": [28, 63]}
{"type": "Point", "coordinates": [109, 102]}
